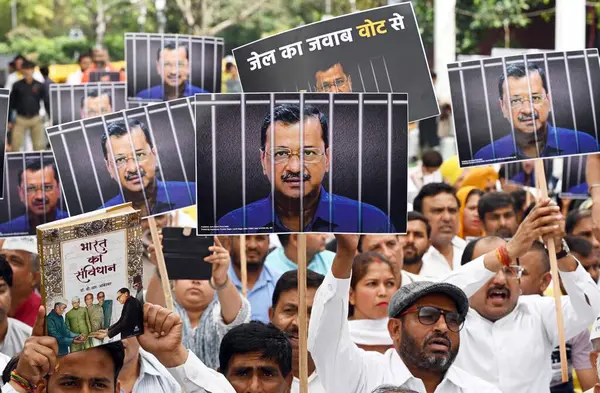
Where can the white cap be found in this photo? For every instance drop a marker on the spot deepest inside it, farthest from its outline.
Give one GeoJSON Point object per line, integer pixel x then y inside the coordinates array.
{"type": "Point", "coordinates": [595, 333]}
{"type": "Point", "coordinates": [23, 243]}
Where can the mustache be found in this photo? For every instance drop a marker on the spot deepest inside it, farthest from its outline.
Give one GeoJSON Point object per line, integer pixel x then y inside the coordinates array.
{"type": "Point", "coordinates": [528, 117]}
{"type": "Point", "coordinates": [438, 336]}
{"type": "Point", "coordinates": [497, 287]}
{"type": "Point", "coordinates": [295, 175]}
{"type": "Point", "coordinates": [132, 175]}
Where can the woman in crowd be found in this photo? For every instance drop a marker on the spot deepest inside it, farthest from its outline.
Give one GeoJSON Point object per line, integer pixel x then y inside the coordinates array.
{"type": "Point", "coordinates": [470, 224]}
{"type": "Point", "coordinates": [208, 308]}
{"type": "Point", "coordinates": [374, 281]}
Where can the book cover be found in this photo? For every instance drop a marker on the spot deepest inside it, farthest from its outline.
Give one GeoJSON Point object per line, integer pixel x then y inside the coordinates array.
{"type": "Point", "coordinates": [90, 269]}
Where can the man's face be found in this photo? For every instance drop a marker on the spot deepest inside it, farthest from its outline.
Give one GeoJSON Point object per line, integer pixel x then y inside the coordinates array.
{"type": "Point", "coordinates": [60, 309]}
{"type": "Point", "coordinates": [583, 229]}
{"type": "Point", "coordinates": [518, 106]}
{"type": "Point", "coordinates": [442, 212]}
{"type": "Point", "coordinates": [101, 296]}
{"type": "Point", "coordinates": [5, 300]}
{"type": "Point", "coordinates": [128, 172]}
{"type": "Point", "coordinates": [499, 296]}
{"type": "Point", "coordinates": [429, 347]}
{"type": "Point", "coordinates": [85, 63]}
{"type": "Point", "coordinates": [415, 242]}
{"type": "Point", "coordinates": [173, 66]}
{"type": "Point", "coordinates": [527, 166]}
{"type": "Point", "coordinates": [39, 191]}
{"type": "Point", "coordinates": [18, 64]}
{"type": "Point", "coordinates": [333, 80]}
{"type": "Point", "coordinates": [501, 222]}
{"type": "Point", "coordinates": [534, 280]}
{"type": "Point", "coordinates": [89, 300]}
{"type": "Point", "coordinates": [315, 243]}
{"type": "Point", "coordinates": [24, 278]}
{"type": "Point", "coordinates": [285, 314]}
{"type": "Point", "coordinates": [75, 304]}
{"type": "Point", "coordinates": [96, 106]}
{"type": "Point", "coordinates": [27, 73]}
{"type": "Point", "coordinates": [122, 297]}
{"type": "Point", "coordinates": [100, 57]}
{"type": "Point", "coordinates": [86, 371]}
{"type": "Point", "coordinates": [249, 373]}
{"type": "Point", "coordinates": [257, 248]}
{"type": "Point", "coordinates": [387, 245]}
{"type": "Point", "coordinates": [287, 171]}
{"type": "Point", "coordinates": [590, 264]}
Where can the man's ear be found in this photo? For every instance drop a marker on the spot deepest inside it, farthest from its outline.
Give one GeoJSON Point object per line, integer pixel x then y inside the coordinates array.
{"type": "Point", "coordinates": [505, 110]}
{"type": "Point", "coordinates": [22, 195]}
{"type": "Point", "coordinates": [394, 329]}
{"type": "Point", "coordinates": [546, 278]}
{"type": "Point", "coordinates": [270, 313]}
{"type": "Point", "coordinates": [288, 381]}
{"type": "Point", "coordinates": [118, 387]}
{"type": "Point", "coordinates": [111, 170]}
{"type": "Point", "coordinates": [263, 163]}
{"type": "Point", "coordinates": [41, 386]}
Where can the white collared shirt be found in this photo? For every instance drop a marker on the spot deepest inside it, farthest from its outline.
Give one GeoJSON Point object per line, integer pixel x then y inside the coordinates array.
{"type": "Point", "coordinates": [408, 277]}
{"type": "Point", "coordinates": [195, 377]}
{"type": "Point", "coordinates": [514, 353]}
{"type": "Point", "coordinates": [154, 377]}
{"type": "Point", "coordinates": [343, 367]}
{"type": "Point", "coordinates": [435, 266]}
{"type": "Point", "coordinates": [314, 384]}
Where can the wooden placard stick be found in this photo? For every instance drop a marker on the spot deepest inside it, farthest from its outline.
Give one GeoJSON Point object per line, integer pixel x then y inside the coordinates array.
{"type": "Point", "coordinates": [302, 317]}
{"type": "Point", "coordinates": [160, 263]}
{"type": "Point", "coordinates": [244, 265]}
{"type": "Point", "coordinates": [543, 187]}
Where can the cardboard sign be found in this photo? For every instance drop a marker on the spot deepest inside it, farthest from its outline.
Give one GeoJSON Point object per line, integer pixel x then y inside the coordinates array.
{"type": "Point", "coordinates": [143, 155]}
{"type": "Point", "coordinates": [163, 67]}
{"type": "Point", "coordinates": [528, 106]}
{"type": "Point", "coordinates": [250, 154]}
{"type": "Point", "coordinates": [379, 50]}
{"type": "Point", "coordinates": [574, 184]}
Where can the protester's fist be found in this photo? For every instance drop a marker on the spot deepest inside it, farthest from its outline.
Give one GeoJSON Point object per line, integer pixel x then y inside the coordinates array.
{"type": "Point", "coordinates": [544, 219]}
{"type": "Point", "coordinates": [40, 353]}
{"type": "Point", "coordinates": [162, 335]}
{"type": "Point", "coordinates": [347, 242]}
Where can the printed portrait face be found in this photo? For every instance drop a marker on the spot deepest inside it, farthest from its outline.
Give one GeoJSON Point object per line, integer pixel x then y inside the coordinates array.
{"type": "Point", "coordinates": [39, 196]}
{"type": "Point", "coordinates": [173, 66]}
{"type": "Point", "coordinates": [96, 106]}
{"type": "Point", "coordinates": [60, 309]}
{"type": "Point", "coordinates": [133, 177]}
{"type": "Point", "coordinates": [285, 156]}
{"type": "Point", "coordinates": [528, 114]}
{"type": "Point", "coordinates": [101, 297]}
{"type": "Point", "coordinates": [89, 299]}
{"type": "Point", "coordinates": [333, 80]}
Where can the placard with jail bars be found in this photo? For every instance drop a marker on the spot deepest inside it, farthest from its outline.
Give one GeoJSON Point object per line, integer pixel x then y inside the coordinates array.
{"type": "Point", "coordinates": [33, 193]}
{"type": "Point", "coordinates": [69, 103]}
{"type": "Point", "coordinates": [163, 67]}
{"type": "Point", "coordinates": [4, 106]}
{"type": "Point", "coordinates": [378, 50]}
{"type": "Point", "coordinates": [515, 108]}
{"type": "Point", "coordinates": [143, 155]}
{"type": "Point", "coordinates": [523, 173]}
{"type": "Point", "coordinates": [574, 184]}
{"type": "Point", "coordinates": [347, 174]}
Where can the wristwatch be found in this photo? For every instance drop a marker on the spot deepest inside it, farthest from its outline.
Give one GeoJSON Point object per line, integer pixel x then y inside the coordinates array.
{"type": "Point", "coordinates": [565, 250]}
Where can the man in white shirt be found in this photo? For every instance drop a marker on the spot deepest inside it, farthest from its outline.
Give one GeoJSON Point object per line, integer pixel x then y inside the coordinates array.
{"type": "Point", "coordinates": [284, 316]}
{"type": "Point", "coordinates": [498, 214]}
{"type": "Point", "coordinates": [13, 333]}
{"type": "Point", "coordinates": [17, 75]}
{"type": "Point", "coordinates": [415, 243]}
{"type": "Point", "coordinates": [438, 202]}
{"type": "Point", "coordinates": [85, 62]}
{"type": "Point", "coordinates": [424, 345]}
{"type": "Point", "coordinates": [508, 339]}
{"type": "Point", "coordinates": [99, 367]}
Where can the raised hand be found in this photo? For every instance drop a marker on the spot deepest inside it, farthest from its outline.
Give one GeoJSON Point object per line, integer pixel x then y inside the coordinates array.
{"type": "Point", "coordinates": [220, 260]}
{"type": "Point", "coordinates": [40, 353]}
{"type": "Point", "coordinates": [162, 335]}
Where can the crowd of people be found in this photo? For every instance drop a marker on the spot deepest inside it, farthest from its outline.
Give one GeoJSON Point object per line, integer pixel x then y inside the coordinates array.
{"type": "Point", "coordinates": [461, 303]}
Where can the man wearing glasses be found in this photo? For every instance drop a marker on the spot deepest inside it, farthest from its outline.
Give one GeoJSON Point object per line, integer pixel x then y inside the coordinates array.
{"type": "Point", "coordinates": [525, 101]}
{"type": "Point", "coordinates": [280, 158]}
{"type": "Point", "coordinates": [131, 321]}
{"type": "Point", "coordinates": [333, 80]}
{"type": "Point", "coordinates": [39, 191]}
{"type": "Point", "coordinates": [508, 339]}
{"type": "Point", "coordinates": [96, 103]}
{"type": "Point", "coordinates": [136, 173]}
{"type": "Point", "coordinates": [425, 321]}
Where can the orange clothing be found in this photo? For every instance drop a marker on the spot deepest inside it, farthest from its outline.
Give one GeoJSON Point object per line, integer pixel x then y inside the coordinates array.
{"type": "Point", "coordinates": [462, 196]}
{"type": "Point", "coordinates": [109, 68]}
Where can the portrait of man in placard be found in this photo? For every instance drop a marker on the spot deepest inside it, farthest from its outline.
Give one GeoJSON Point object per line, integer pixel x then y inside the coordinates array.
{"type": "Point", "coordinates": [96, 103]}
{"type": "Point", "coordinates": [525, 101]}
{"type": "Point", "coordinates": [131, 160]}
{"type": "Point", "coordinates": [39, 191]}
{"type": "Point", "coordinates": [333, 80]}
{"type": "Point", "coordinates": [173, 66]}
{"type": "Point", "coordinates": [280, 153]}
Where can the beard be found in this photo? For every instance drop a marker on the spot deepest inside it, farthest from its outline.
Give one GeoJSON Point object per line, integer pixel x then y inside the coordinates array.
{"type": "Point", "coordinates": [414, 259]}
{"type": "Point", "coordinates": [415, 354]}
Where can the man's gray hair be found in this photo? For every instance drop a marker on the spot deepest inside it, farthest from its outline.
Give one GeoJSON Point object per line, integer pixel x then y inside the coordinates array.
{"type": "Point", "coordinates": [392, 389]}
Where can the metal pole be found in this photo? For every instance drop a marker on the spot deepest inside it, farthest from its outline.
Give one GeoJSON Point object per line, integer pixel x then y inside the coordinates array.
{"type": "Point", "coordinates": [570, 25]}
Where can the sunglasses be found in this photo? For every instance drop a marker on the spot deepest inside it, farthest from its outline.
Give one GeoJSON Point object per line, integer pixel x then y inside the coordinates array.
{"type": "Point", "coordinates": [429, 315]}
